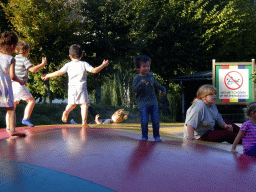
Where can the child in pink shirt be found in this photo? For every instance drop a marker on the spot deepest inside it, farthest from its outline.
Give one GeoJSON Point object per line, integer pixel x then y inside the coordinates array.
{"type": "Point", "coordinates": [248, 132]}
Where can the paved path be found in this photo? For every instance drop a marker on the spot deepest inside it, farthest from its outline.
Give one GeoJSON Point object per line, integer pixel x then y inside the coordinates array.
{"type": "Point", "coordinates": [112, 158]}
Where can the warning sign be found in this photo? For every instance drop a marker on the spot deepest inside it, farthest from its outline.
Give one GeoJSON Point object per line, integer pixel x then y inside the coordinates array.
{"type": "Point", "coordinates": [233, 84]}
{"type": "Point", "coordinates": [233, 80]}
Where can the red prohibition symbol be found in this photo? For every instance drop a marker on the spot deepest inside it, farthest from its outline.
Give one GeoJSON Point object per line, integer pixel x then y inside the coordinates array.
{"type": "Point", "coordinates": [233, 80]}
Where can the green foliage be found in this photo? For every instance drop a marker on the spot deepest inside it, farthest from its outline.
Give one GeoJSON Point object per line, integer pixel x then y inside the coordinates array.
{"type": "Point", "coordinates": [50, 27]}
{"type": "Point", "coordinates": [108, 24]}
{"type": "Point", "coordinates": [4, 24]}
{"type": "Point", "coordinates": [230, 35]}
{"type": "Point", "coordinates": [170, 32]}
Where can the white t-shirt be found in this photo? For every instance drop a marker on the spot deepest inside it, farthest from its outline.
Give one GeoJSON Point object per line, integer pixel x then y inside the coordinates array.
{"type": "Point", "coordinates": [77, 73]}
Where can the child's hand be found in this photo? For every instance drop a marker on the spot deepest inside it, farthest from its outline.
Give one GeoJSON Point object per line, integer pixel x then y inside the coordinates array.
{"type": "Point", "coordinates": [228, 127]}
{"type": "Point", "coordinates": [105, 63]}
{"type": "Point", "coordinates": [44, 77]}
{"type": "Point", "coordinates": [97, 116]}
{"type": "Point", "coordinates": [233, 151]}
{"type": "Point", "coordinates": [144, 81]}
{"type": "Point", "coordinates": [44, 60]}
{"type": "Point", "coordinates": [161, 94]}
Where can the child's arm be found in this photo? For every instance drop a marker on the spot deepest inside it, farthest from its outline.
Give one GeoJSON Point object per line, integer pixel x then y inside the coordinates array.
{"type": "Point", "coordinates": [99, 68]}
{"type": "Point", "coordinates": [190, 132]}
{"type": "Point", "coordinates": [54, 74]}
{"type": "Point", "coordinates": [138, 83]}
{"type": "Point", "coordinates": [228, 127]}
{"type": "Point", "coordinates": [160, 87]}
{"type": "Point", "coordinates": [97, 119]}
{"type": "Point", "coordinates": [238, 138]}
{"type": "Point", "coordinates": [38, 67]}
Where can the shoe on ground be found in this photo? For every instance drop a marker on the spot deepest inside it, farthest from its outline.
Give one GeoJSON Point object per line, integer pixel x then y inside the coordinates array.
{"type": "Point", "coordinates": [27, 122]}
{"type": "Point", "coordinates": [72, 121]}
{"type": "Point", "coordinates": [157, 139]}
{"type": "Point", "coordinates": [144, 139]}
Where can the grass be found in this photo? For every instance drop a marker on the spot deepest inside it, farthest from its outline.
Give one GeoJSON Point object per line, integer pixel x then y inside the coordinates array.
{"type": "Point", "coordinates": [48, 114]}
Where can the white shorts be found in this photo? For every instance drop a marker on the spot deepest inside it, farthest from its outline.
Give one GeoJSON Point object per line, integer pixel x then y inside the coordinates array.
{"type": "Point", "coordinates": [20, 92]}
{"type": "Point", "coordinates": [77, 95]}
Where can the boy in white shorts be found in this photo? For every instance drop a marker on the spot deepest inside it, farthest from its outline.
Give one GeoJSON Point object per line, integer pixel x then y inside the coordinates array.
{"type": "Point", "coordinates": [20, 92]}
{"type": "Point", "coordinates": [77, 81]}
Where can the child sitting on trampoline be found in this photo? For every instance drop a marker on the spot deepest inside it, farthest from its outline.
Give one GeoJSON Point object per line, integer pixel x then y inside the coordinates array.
{"type": "Point", "coordinates": [77, 83]}
{"type": "Point", "coordinates": [247, 133]}
{"type": "Point", "coordinates": [117, 117]}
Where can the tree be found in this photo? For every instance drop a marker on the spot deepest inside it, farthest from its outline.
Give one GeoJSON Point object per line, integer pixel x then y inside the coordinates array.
{"type": "Point", "coordinates": [4, 24]}
{"type": "Point", "coordinates": [50, 27]}
{"type": "Point", "coordinates": [231, 27]}
{"type": "Point", "coordinates": [170, 32]}
{"type": "Point", "coordinates": [108, 25]}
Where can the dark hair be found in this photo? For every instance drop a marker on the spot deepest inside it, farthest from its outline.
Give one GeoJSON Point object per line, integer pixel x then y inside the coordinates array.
{"type": "Point", "coordinates": [21, 47]}
{"type": "Point", "coordinates": [8, 39]}
{"type": "Point", "coordinates": [75, 51]}
{"type": "Point", "coordinates": [141, 59]}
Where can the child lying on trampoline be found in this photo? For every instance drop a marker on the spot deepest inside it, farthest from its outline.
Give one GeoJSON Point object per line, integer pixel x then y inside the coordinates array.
{"type": "Point", "coordinates": [117, 117]}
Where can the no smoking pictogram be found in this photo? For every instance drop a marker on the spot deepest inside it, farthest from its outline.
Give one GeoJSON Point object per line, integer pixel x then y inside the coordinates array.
{"type": "Point", "coordinates": [233, 80]}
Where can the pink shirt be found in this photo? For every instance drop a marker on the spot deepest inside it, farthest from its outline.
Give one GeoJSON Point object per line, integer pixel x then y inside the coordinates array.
{"type": "Point", "coordinates": [249, 139]}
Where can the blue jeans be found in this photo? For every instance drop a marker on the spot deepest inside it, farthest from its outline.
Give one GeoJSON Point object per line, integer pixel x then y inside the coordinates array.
{"type": "Point", "coordinates": [153, 111]}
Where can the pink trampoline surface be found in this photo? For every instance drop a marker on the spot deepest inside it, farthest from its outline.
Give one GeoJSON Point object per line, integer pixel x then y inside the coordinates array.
{"type": "Point", "coordinates": [112, 158]}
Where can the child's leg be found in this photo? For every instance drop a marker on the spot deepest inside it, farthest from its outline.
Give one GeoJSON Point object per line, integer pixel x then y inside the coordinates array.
{"type": "Point", "coordinates": [29, 108]}
{"type": "Point", "coordinates": [84, 113]}
{"type": "Point", "coordinates": [11, 120]}
{"type": "Point", "coordinates": [68, 109]}
{"type": "Point", "coordinates": [154, 113]}
{"type": "Point", "coordinates": [7, 118]}
{"type": "Point", "coordinates": [144, 116]}
{"type": "Point", "coordinates": [252, 151]}
{"type": "Point", "coordinates": [219, 136]}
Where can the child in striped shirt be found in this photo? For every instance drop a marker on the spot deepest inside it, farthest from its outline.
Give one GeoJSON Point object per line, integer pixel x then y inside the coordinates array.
{"type": "Point", "coordinates": [247, 132]}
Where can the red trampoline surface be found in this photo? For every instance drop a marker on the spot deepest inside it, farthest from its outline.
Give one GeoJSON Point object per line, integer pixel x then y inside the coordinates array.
{"type": "Point", "coordinates": [112, 158]}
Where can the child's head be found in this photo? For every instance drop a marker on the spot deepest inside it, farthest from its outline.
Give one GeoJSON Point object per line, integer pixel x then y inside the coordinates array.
{"type": "Point", "coordinates": [8, 42]}
{"type": "Point", "coordinates": [142, 64]}
{"type": "Point", "coordinates": [22, 47]}
{"type": "Point", "coordinates": [75, 51]}
{"type": "Point", "coordinates": [251, 108]}
{"type": "Point", "coordinates": [119, 116]}
{"type": "Point", "coordinates": [205, 90]}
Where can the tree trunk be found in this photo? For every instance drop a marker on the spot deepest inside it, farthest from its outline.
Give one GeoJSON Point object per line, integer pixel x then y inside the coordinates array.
{"type": "Point", "coordinates": [48, 98]}
{"type": "Point", "coordinates": [98, 93]}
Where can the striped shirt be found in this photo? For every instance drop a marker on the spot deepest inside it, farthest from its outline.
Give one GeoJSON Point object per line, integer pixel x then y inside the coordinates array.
{"type": "Point", "coordinates": [249, 139]}
{"type": "Point", "coordinates": [21, 68]}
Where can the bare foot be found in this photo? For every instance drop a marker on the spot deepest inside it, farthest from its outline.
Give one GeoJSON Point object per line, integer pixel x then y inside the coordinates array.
{"type": "Point", "coordinates": [64, 117]}
{"type": "Point", "coordinates": [85, 125]}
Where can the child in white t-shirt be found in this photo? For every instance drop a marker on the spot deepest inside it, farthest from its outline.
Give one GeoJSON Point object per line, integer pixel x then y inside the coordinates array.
{"type": "Point", "coordinates": [77, 83]}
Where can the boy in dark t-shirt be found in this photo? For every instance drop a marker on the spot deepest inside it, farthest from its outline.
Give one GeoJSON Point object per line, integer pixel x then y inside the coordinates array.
{"type": "Point", "coordinates": [144, 85]}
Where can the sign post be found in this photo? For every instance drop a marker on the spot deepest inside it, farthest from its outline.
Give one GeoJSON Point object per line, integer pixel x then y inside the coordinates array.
{"type": "Point", "coordinates": [233, 81]}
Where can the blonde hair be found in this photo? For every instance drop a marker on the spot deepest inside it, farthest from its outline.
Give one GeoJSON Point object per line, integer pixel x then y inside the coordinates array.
{"type": "Point", "coordinates": [21, 47]}
{"type": "Point", "coordinates": [120, 115]}
{"type": "Point", "coordinates": [251, 107]}
{"type": "Point", "coordinates": [203, 91]}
